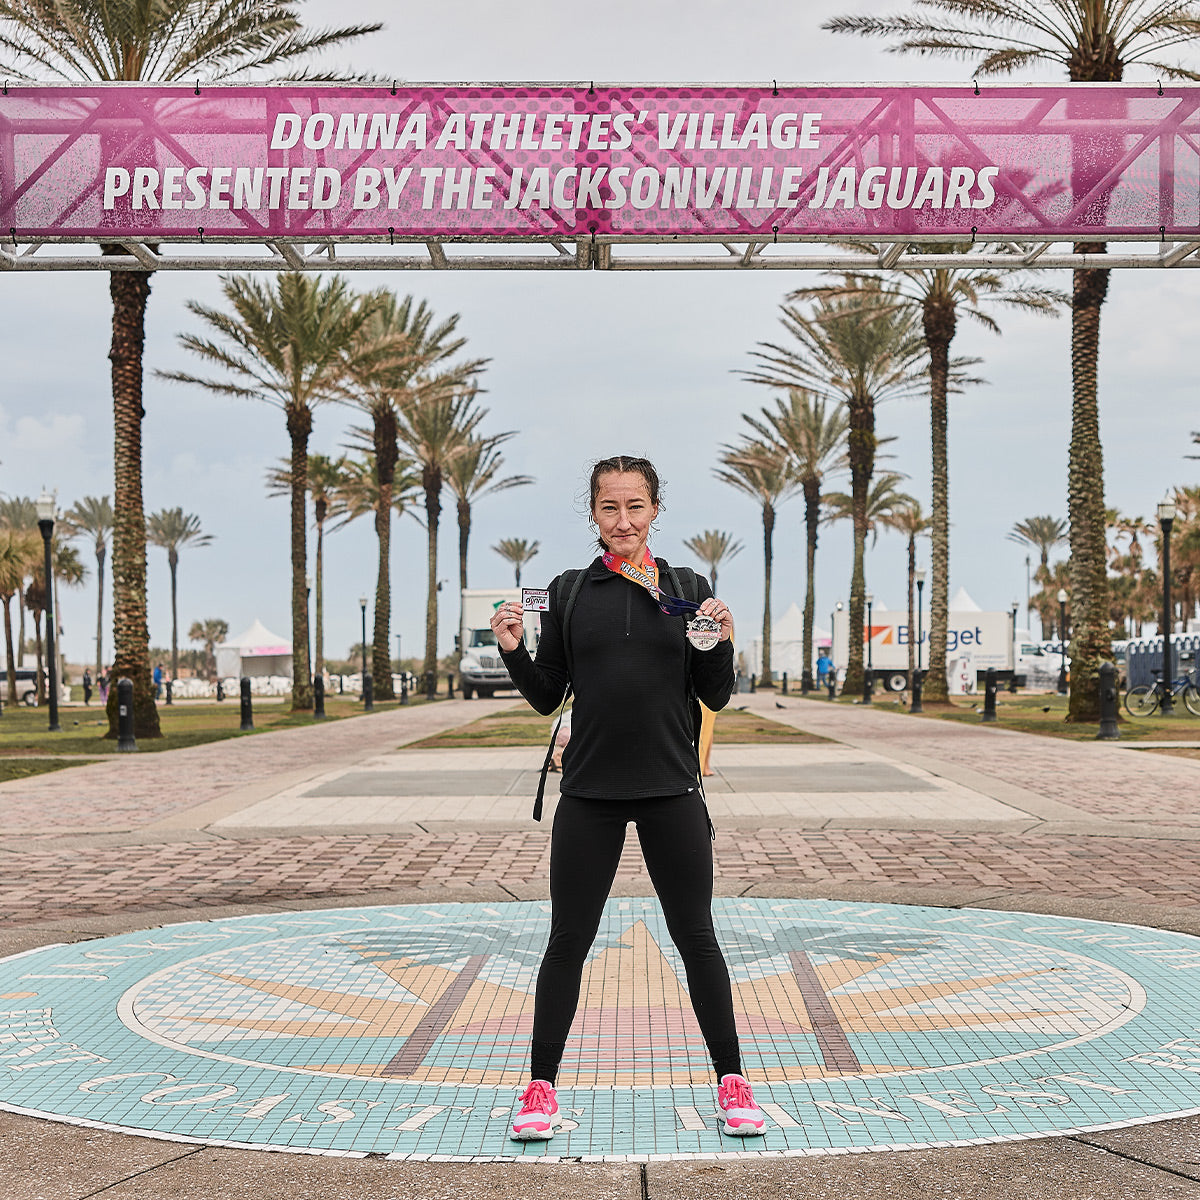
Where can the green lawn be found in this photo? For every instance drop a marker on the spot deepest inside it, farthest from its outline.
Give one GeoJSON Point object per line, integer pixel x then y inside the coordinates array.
{"type": "Point", "coordinates": [522, 726]}
{"type": "Point", "coordinates": [1046, 714]}
{"type": "Point", "coordinates": [23, 767]}
{"type": "Point", "coordinates": [23, 732]}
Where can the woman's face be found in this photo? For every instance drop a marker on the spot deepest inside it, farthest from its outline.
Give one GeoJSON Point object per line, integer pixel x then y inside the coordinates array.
{"type": "Point", "coordinates": [623, 513]}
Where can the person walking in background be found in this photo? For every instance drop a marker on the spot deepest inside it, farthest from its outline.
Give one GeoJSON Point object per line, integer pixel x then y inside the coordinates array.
{"type": "Point", "coordinates": [102, 684]}
{"type": "Point", "coordinates": [824, 668]}
{"type": "Point", "coordinates": [632, 757]}
{"type": "Point", "coordinates": [158, 680]}
{"type": "Point", "coordinates": [87, 686]}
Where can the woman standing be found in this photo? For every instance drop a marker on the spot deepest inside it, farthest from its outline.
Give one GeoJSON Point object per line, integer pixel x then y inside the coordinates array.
{"type": "Point", "coordinates": [631, 758]}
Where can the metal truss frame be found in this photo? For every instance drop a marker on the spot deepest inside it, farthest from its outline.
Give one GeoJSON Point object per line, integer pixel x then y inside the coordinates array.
{"type": "Point", "coordinates": [599, 253]}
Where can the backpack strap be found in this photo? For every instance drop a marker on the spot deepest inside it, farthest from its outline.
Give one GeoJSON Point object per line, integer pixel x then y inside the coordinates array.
{"type": "Point", "coordinates": [576, 579]}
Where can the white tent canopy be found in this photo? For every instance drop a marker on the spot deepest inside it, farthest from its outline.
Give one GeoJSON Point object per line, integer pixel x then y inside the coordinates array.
{"type": "Point", "coordinates": [787, 645]}
{"type": "Point", "coordinates": [257, 651]}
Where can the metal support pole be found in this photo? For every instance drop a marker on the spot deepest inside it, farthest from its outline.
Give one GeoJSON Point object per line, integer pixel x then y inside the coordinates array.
{"type": "Point", "coordinates": [753, 684]}
{"type": "Point", "coordinates": [47, 528]}
{"type": "Point", "coordinates": [989, 696]}
{"type": "Point", "coordinates": [783, 685]}
{"type": "Point", "coordinates": [1167, 708]}
{"type": "Point", "coordinates": [318, 697]}
{"type": "Point", "coordinates": [125, 739]}
{"type": "Point", "coordinates": [869, 674]}
{"type": "Point", "coordinates": [1062, 633]}
{"type": "Point", "coordinates": [1108, 704]}
{"type": "Point", "coordinates": [919, 674]}
{"type": "Point", "coordinates": [247, 707]}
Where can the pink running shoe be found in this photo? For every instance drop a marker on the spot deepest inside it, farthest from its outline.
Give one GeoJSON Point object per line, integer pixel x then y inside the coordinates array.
{"type": "Point", "coordinates": [743, 1118]}
{"type": "Point", "coordinates": [538, 1114]}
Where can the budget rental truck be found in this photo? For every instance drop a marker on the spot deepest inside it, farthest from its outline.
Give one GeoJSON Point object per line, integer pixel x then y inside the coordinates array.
{"type": "Point", "coordinates": [481, 670]}
{"type": "Point", "coordinates": [975, 641]}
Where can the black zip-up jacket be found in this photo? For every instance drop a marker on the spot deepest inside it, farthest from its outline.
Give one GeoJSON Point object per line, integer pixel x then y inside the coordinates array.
{"type": "Point", "coordinates": [631, 726]}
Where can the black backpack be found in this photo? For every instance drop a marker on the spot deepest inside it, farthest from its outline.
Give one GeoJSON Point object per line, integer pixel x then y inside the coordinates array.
{"type": "Point", "coordinates": [683, 583]}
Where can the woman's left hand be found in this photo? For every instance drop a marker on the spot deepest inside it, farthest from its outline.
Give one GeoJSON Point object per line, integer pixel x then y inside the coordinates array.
{"type": "Point", "coordinates": [712, 607]}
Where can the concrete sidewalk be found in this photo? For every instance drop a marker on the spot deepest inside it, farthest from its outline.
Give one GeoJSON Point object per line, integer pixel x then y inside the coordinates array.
{"type": "Point", "coordinates": [891, 809]}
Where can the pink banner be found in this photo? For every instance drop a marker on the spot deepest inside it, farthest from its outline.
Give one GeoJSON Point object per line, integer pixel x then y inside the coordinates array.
{"type": "Point", "coordinates": [526, 163]}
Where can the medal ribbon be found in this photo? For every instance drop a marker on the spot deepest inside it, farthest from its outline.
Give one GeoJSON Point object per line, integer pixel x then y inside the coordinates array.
{"type": "Point", "coordinates": [647, 576]}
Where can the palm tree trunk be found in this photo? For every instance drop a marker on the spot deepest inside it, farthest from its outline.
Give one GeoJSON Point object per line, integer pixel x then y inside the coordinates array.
{"type": "Point", "coordinates": [861, 452]}
{"type": "Point", "coordinates": [10, 656]}
{"type": "Point", "coordinates": [768, 513]}
{"type": "Point", "coordinates": [299, 427]}
{"type": "Point", "coordinates": [386, 454]}
{"type": "Point", "coordinates": [464, 535]}
{"type": "Point", "coordinates": [100, 556]}
{"type": "Point", "coordinates": [1091, 640]}
{"type": "Point", "coordinates": [432, 480]}
{"type": "Point", "coordinates": [939, 326]}
{"type": "Point", "coordinates": [173, 562]}
{"type": "Point", "coordinates": [812, 517]}
{"type": "Point", "coordinates": [37, 635]}
{"type": "Point", "coordinates": [130, 290]}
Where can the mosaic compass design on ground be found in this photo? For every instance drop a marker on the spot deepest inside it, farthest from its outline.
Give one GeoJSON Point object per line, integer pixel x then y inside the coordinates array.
{"type": "Point", "coordinates": [405, 1030]}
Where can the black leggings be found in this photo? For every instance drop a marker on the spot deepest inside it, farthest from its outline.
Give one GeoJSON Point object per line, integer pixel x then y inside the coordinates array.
{"type": "Point", "coordinates": [585, 849]}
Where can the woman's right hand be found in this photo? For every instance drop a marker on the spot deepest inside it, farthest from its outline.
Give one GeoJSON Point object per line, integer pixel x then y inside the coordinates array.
{"type": "Point", "coordinates": [508, 625]}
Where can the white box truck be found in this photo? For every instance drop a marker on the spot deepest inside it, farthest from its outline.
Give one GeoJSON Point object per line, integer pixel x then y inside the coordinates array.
{"type": "Point", "coordinates": [975, 641]}
{"type": "Point", "coordinates": [481, 670]}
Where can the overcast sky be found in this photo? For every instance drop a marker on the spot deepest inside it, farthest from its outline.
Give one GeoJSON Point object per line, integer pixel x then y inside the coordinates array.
{"type": "Point", "coordinates": [586, 365]}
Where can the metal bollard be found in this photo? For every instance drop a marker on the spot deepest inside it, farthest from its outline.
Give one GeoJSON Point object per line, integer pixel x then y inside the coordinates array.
{"type": "Point", "coordinates": [170, 698]}
{"type": "Point", "coordinates": [318, 697]}
{"type": "Point", "coordinates": [341, 685]}
{"type": "Point", "coordinates": [247, 707]}
{"type": "Point", "coordinates": [753, 684]}
{"type": "Point", "coordinates": [404, 687]}
{"type": "Point", "coordinates": [1108, 703]}
{"type": "Point", "coordinates": [125, 739]}
{"type": "Point", "coordinates": [368, 694]}
{"type": "Point", "coordinates": [868, 687]}
{"type": "Point", "coordinates": [220, 690]}
{"type": "Point", "coordinates": [918, 680]}
{"type": "Point", "coordinates": [989, 696]}
{"type": "Point", "coordinates": [783, 685]}
{"type": "Point", "coordinates": [450, 687]}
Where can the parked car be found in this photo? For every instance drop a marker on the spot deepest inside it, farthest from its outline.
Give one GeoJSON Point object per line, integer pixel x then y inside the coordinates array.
{"type": "Point", "coordinates": [26, 686]}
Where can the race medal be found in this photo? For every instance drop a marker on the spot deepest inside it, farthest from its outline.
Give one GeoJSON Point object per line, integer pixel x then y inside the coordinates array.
{"type": "Point", "coordinates": [703, 632]}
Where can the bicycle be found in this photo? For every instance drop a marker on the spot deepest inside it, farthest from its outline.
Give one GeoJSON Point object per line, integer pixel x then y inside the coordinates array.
{"type": "Point", "coordinates": [1144, 701]}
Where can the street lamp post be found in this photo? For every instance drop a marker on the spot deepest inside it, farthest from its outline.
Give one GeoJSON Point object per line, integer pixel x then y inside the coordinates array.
{"type": "Point", "coordinates": [1012, 679]}
{"type": "Point", "coordinates": [45, 519]}
{"type": "Point", "coordinates": [919, 679]}
{"type": "Point", "coordinates": [1062, 634]}
{"type": "Point", "coordinates": [1166, 518]}
{"type": "Point", "coordinates": [367, 688]}
{"type": "Point", "coordinates": [833, 661]}
{"type": "Point", "coordinates": [869, 673]}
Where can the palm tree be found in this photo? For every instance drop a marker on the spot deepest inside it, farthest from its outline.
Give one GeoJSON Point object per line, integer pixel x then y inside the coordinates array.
{"type": "Point", "coordinates": [1094, 40]}
{"type": "Point", "coordinates": [713, 546]}
{"type": "Point", "coordinates": [1043, 534]}
{"type": "Point", "coordinates": [516, 551]}
{"type": "Point", "coordinates": [909, 520]}
{"type": "Point", "coordinates": [172, 528]}
{"type": "Point", "coordinates": [816, 440]}
{"type": "Point", "coordinates": [20, 513]}
{"type": "Point", "coordinates": [134, 42]}
{"type": "Point", "coordinates": [20, 551]}
{"type": "Point", "coordinates": [325, 476]}
{"type": "Point", "coordinates": [436, 426]}
{"type": "Point", "coordinates": [940, 295]}
{"type": "Point", "coordinates": [286, 345]}
{"type": "Point", "coordinates": [863, 347]}
{"type": "Point", "coordinates": [66, 566]}
{"type": "Point", "coordinates": [763, 471]}
{"type": "Point", "coordinates": [93, 516]}
{"type": "Point", "coordinates": [471, 476]}
{"type": "Point", "coordinates": [397, 349]}
{"type": "Point", "coordinates": [209, 631]}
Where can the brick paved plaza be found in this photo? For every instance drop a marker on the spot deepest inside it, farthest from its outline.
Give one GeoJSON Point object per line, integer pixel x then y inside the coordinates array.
{"type": "Point", "coordinates": [889, 809]}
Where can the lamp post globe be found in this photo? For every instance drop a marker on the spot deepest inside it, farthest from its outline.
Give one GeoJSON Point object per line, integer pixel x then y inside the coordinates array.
{"type": "Point", "coordinates": [1166, 518]}
{"type": "Point", "coordinates": [1062, 634]}
{"type": "Point", "coordinates": [47, 511]}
